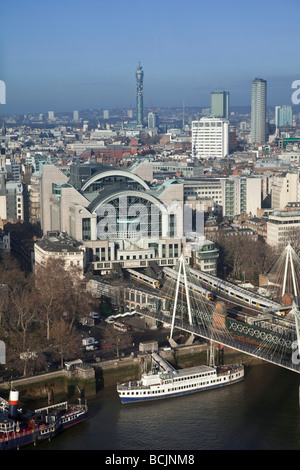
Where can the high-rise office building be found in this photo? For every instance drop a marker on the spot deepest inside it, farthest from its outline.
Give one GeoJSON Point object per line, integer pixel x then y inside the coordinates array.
{"type": "Point", "coordinates": [210, 137]}
{"type": "Point", "coordinates": [258, 111]}
{"type": "Point", "coordinates": [139, 95]}
{"type": "Point", "coordinates": [151, 120]}
{"type": "Point", "coordinates": [220, 104]}
{"type": "Point", "coordinates": [283, 116]}
{"type": "Point", "coordinates": [75, 116]}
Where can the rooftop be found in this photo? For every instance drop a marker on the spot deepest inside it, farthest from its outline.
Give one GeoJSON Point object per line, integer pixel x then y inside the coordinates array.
{"type": "Point", "coordinates": [59, 242]}
{"type": "Point", "coordinates": [285, 214]}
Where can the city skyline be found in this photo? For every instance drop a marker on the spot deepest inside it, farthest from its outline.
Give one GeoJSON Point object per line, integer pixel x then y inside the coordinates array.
{"type": "Point", "coordinates": [74, 55]}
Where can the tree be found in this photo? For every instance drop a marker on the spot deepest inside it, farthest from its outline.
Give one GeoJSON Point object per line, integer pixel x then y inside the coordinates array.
{"type": "Point", "coordinates": [53, 297]}
{"type": "Point", "coordinates": [245, 257]}
{"type": "Point", "coordinates": [65, 340]}
{"type": "Point", "coordinates": [119, 339]}
{"type": "Point", "coordinates": [62, 292]}
{"type": "Point", "coordinates": [50, 283]}
{"type": "Point", "coordinates": [4, 301]}
{"type": "Point", "coordinates": [78, 300]}
{"type": "Point", "coordinates": [26, 357]}
{"type": "Point", "coordinates": [23, 314]}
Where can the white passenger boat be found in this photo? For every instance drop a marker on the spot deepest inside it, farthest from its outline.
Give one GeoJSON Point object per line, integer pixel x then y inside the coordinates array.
{"type": "Point", "coordinates": [165, 382]}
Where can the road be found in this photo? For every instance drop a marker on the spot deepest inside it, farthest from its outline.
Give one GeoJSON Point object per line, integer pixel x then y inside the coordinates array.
{"type": "Point", "coordinates": [139, 335]}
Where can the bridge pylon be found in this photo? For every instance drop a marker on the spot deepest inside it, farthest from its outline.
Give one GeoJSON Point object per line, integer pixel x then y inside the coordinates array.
{"type": "Point", "coordinates": [285, 281]}
{"type": "Point", "coordinates": [290, 264]}
{"type": "Point", "coordinates": [284, 278]}
{"type": "Point", "coordinates": [181, 270]}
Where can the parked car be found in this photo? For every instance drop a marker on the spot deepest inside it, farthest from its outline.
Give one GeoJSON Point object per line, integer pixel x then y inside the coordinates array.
{"type": "Point", "coordinates": [95, 315]}
{"type": "Point", "coordinates": [91, 347]}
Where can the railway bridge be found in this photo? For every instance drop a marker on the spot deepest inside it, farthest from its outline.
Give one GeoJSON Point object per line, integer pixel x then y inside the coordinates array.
{"type": "Point", "coordinates": [271, 333]}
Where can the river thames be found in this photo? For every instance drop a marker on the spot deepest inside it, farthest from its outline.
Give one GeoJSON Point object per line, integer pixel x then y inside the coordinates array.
{"type": "Point", "coordinates": [260, 413]}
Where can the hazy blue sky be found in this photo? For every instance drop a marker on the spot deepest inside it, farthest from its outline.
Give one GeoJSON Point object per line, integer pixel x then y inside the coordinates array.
{"type": "Point", "coordinates": [66, 55]}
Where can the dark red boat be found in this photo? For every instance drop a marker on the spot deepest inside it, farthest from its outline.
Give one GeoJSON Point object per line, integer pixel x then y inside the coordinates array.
{"type": "Point", "coordinates": [18, 428]}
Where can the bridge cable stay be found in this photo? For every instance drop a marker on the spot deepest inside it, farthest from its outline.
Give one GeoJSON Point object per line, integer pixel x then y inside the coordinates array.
{"type": "Point", "coordinates": [274, 347]}
{"type": "Point", "coordinates": [187, 300]}
{"type": "Point", "coordinates": [284, 277]}
{"type": "Point", "coordinates": [193, 313]}
{"type": "Point", "coordinates": [283, 287]}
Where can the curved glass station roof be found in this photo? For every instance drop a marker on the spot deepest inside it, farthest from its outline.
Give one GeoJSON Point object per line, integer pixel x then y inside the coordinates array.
{"type": "Point", "coordinates": [125, 205]}
{"type": "Point", "coordinates": [112, 178]}
{"type": "Point", "coordinates": [127, 214]}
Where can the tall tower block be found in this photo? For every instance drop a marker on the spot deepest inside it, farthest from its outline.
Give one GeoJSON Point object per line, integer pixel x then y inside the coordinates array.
{"type": "Point", "coordinates": [258, 111]}
{"type": "Point", "coordinates": [139, 94]}
{"type": "Point", "coordinates": [220, 104]}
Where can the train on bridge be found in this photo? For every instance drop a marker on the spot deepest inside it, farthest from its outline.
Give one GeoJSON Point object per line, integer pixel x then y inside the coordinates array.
{"type": "Point", "coordinates": [149, 281]}
{"type": "Point", "coordinates": [206, 293]}
{"type": "Point", "coordinates": [154, 283]}
{"type": "Point", "coordinates": [251, 299]}
{"type": "Point", "coordinates": [212, 285]}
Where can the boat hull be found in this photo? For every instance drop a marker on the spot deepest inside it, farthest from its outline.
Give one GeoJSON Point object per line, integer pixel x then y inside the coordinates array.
{"type": "Point", "coordinates": [78, 419]}
{"type": "Point", "coordinates": [159, 396]}
{"type": "Point", "coordinates": [18, 441]}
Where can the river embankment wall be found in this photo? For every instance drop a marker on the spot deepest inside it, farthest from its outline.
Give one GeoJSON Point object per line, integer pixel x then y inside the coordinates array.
{"type": "Point", "coordinates": [85, 382]}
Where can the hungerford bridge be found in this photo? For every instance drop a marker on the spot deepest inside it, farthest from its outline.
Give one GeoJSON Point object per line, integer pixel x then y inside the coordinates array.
{"type": "Point", "coordinates": [272, 336]}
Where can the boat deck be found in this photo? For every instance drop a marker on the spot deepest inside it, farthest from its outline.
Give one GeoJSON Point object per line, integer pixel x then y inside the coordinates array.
{"type": "Point", "coordinates": [193, 371]}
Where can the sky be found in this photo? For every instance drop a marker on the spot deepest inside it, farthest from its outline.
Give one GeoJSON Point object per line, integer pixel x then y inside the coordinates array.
{"type": "Point", "coordinates": [63, 55]}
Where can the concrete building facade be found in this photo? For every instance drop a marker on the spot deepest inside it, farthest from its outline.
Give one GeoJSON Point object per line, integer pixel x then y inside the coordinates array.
{"type": "Point", "coordinates": [284, 188]}
{"type": "Point", "coordinates": [58, 245]}
{"type": "Point", "coordinates": [283, 227]}
{"type": "Point", "coordinates": [117, 216]}
{"type": "Point", "coordinates": [210, 137]}
{"type": "Point", "coordinates": [229, 196]}
{"type": "Point", "coordinates": [14, 200]}
{"type": "Point", "coordinates": [241, 195]}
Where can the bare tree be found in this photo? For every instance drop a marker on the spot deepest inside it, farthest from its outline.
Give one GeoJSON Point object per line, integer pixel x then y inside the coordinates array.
{"type": "Point", "coordinates": [23, 313]}
{"type": "Point", "coordinates": [4, 301]}
{"type": "Point", "coordinates": [26, 357]}
{"type": "Point", "coordinates": [78, 301]}
{"type": "Point", "coordinates": [245, 257]}
{"type": "Point", "coordinates": [22, 333]}
{"type": "Point", "coordinates": [50, 283]}
{"type": "Point", "coordinates": [51, 297]}
{"type": "Point", "coordinates": [65, 341]}
{"type": "Point", "coordinates": [62, 292]}
{"type": "Point", "coordinates": [119, 339]}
